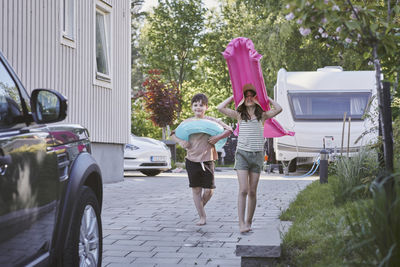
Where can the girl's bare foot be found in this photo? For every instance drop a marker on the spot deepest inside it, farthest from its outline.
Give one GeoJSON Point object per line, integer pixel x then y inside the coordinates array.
{"type": "Point", "coordinates": [244, 230]}
{"type": "Point", "coordinates": [202, 221]}
{"type": "Point", "coordinates": [248, 225]}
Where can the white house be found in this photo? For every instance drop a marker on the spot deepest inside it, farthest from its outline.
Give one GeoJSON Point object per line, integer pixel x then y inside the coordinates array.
{"type": "Point", "coordinates": [80, 48]}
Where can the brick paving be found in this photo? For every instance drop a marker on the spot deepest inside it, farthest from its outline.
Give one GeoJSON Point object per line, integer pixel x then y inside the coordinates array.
{"type": "Point", "coordinates": [150, 221]}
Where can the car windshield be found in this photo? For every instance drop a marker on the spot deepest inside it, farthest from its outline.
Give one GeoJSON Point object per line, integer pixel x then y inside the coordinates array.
{"type": "Point", "coordinates": [328, 105]}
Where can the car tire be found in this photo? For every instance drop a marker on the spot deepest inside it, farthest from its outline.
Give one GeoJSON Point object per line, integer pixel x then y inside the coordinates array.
{"type": "Point", "coordinates": [151, 172]}
{"type": "Point", "coordinates": [85, 243]}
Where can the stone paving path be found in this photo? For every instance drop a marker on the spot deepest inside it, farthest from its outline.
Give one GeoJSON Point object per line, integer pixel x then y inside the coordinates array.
{"type": "Point", "coordinates": [150, 221]}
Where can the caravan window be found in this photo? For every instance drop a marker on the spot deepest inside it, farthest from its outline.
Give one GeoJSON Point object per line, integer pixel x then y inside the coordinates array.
{"type": "Point", "coordinates": [328, 105]}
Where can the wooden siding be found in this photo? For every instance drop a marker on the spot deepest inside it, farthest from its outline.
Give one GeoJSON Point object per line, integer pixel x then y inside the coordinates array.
{"type": "Point", "coordinates": [31, 41]}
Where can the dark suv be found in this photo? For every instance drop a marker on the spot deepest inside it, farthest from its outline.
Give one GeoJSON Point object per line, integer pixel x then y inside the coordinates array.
{"type": "Point", "coordinates": [50, 185]}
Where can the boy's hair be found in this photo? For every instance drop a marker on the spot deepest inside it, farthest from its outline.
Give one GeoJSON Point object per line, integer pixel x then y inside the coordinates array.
{"type": "Point", "coordinates": [200, 97]}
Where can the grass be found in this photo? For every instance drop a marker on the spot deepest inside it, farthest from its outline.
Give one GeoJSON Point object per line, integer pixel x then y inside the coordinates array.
{"type": "Point", "coordinates": [354, 220]}
{"type": "Point", "coordinates": [318, 234]}
{"type": "Point", "coordinates": [363, 232]}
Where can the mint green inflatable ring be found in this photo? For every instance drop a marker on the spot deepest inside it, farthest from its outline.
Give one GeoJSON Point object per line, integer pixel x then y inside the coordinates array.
{"type": "Point", "coordinates": [185, 129]}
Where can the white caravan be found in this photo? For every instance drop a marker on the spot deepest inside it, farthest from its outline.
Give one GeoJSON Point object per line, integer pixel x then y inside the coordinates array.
{"type": "Point", "coordinates": [314, 104]}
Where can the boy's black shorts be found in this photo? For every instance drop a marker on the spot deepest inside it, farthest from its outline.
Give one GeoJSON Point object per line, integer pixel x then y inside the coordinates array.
{"type": "Point", "coordinates": [199, 177]}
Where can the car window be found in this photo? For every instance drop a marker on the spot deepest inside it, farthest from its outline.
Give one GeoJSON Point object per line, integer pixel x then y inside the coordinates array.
{"type": "Point", "coordinates": [10, 102]}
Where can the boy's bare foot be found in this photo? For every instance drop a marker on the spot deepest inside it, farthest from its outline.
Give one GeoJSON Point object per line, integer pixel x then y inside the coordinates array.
{"type": "Point", "coordinates": [244, 229]}
{"type": "Point", "coordinates": [202, 221]}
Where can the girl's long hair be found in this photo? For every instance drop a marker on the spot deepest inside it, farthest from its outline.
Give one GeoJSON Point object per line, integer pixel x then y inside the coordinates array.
{"type": "Point", "coordinates": [244, 115]}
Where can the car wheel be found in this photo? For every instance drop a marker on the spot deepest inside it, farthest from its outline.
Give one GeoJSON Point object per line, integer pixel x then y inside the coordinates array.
{"type": "Point", "coordinates": [150, 172]}
{"type": "Point", "coordinates": [85, 243]}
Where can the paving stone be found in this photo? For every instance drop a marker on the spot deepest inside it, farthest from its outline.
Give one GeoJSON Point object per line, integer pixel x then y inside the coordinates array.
{"type": "Point", "coordinates": [118, 253]}
{"type": "Point", "coordinates": [114, 259]}
{"type": "Point", "coordinates": [152, 219]}
{"type": "Point", "coordinates": [191, 255]}
{"type": "Point", "coordinates": [158, 261]}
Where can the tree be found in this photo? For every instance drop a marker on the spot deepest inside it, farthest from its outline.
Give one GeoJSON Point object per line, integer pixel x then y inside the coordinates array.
{"type": "Point", "coordinates": [161, 100]}
{"type": "Point", "coordinates": [137, 15]}
{"type": "Point", "coordinates": [370, 26]}
{"type": "Point", "coordinates": [141, 125]}
{"type": "Point", "coordinates": [170, 39]}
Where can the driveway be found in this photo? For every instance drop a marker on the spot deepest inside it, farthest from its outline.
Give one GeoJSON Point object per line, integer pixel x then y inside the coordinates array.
{"type": "Point", "coordinates": [150, 221]}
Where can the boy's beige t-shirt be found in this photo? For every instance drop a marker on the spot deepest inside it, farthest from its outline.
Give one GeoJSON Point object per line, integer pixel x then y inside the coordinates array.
{"type": "Point", "coordinates": [200, 150]}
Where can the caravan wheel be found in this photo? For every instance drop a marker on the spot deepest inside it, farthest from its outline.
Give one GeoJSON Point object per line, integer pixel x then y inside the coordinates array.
{"type": "Point", "coordinates": [293, 165]}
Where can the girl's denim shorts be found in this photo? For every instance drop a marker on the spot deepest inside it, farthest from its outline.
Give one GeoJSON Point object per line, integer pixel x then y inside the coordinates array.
{"type": "Point", "coordinates": [249, 161]}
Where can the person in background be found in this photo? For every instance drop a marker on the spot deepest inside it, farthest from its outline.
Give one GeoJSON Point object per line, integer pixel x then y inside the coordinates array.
{"type": "Point", "coordinates": [249, 156]}
{"type": "Point", "coordinates": [200, 156]}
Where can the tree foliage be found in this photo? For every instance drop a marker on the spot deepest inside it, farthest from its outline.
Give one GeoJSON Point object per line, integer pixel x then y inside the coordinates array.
{"type": "Point", "coordinates": [371, 27]}
{"type": "Point", "coordinates": [141, 124]}
{"type": "Point", "coordinates": [170, 38]}
{"type": "Point", "coordinates": [205, 70]}
{"type": "Point", "coordinates": [161, 99]}
{"type": "Point", "coordinates": [137, 16]}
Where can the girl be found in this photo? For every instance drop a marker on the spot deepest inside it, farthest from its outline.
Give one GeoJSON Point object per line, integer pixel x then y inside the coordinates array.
{"type": "Point", "coordinates": [249, 155]}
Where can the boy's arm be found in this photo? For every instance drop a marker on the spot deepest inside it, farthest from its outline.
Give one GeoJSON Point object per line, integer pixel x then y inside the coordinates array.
{"type": "Point", "coordinates": [227, 111]}
{"type": "Point", "coordinates": [182, 143]}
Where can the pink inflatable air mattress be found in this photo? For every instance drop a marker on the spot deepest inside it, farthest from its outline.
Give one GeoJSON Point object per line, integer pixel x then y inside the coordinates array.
{"type": "Point", "coordinates": [244, 68]}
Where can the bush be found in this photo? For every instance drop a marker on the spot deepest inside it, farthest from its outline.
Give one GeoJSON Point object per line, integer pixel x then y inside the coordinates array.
{"type": "Point", "coordinates": [354, 175]}
{"type": "Point", "coordinates": [375, 228]}
{"type": "Point", "coordinates": [180, 153]}
{"type": "Point", "coordinates": [141, 125]}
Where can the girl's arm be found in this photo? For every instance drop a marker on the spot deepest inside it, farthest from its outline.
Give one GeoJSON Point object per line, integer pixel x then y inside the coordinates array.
{"type": "Point", "coordinates": [214, 139]}
{"type": "Point", "coordinates": [273, 111]}
{"type": "Point", "coordinates": [227, 111]}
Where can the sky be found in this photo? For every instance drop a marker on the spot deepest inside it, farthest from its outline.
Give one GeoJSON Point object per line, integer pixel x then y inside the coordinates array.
{"type": "Point", "coordinates": [150, 3]}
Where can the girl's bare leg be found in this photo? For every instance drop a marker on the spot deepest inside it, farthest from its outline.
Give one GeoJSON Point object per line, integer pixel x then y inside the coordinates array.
{"type": "Point", "coordinates": [198, 202]}
{"type": "Point", "coordinates": [207, 194]}
{"type": "Point", "coordinates": [252, 197]}
{"type": "Point", "coordinates": [243, 190]}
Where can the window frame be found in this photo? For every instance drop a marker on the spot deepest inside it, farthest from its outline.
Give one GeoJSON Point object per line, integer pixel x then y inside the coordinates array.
{"type": "Point", "coordinates": [20, 92]}
{"type": "Point", "coordinates": [296, 117]}
{"type": "Point", "coordinates": [105, 9]}
{"type": "Point", "coordinates": [68, 23]}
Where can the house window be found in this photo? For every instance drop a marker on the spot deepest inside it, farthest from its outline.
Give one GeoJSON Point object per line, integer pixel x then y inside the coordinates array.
{"type": "Point", "coordinates": [102, 45]}
{"type": "Point", "coordinates": [68, 19]}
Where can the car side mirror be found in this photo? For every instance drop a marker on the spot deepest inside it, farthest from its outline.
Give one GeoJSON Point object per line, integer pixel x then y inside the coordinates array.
{"type": "Point", "coordinates": [48, 106]}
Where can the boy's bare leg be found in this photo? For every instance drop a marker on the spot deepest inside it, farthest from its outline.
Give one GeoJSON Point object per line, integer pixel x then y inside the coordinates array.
{"type": "Point", "coordinates": [243, 189]}
{"type": "Point", "coordinates": [252, 197]}
{"type": "Point", "coordinates": [207, 194]}
{"type": "Point", "coordinates": [198, 202]}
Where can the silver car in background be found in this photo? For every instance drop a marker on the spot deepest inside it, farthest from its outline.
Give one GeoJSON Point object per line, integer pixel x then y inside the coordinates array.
{"type": "Point", "coordinates": [147, 155]}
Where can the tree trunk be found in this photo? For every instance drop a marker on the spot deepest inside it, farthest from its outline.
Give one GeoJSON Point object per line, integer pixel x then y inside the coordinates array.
{"type": "Point", "coordinates": [163, 133]}
{"type": "Point", "coordinates": [388, 130]}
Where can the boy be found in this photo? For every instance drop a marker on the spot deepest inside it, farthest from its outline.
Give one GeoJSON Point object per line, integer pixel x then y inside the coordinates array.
{"type": "Point", "coordinates": [200, 156]}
